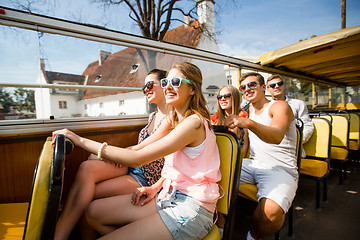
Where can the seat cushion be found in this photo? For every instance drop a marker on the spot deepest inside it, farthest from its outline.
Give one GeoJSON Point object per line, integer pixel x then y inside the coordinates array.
{"type": "Point", "coordinates": [339, 153]}
{"type": "Point", "coordinates": [313, 167]}
{"type": "Point", "coordinates": [12, 220]}
{"type": "Point", "coordinates": [213, 234]}
{"type": "Point", "coordinates": [353, 145]}
{"type": "Point", "coordinates": [248, 191]}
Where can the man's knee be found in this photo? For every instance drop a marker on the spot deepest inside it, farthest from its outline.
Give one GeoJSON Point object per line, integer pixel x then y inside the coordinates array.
{"type": "Point", "coordinates": [270, 212]}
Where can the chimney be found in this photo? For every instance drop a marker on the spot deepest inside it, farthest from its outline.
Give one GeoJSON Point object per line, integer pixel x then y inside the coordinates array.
{"type": "Point", "coordinates": [102, 56]}
{"type": "Point", "coordinates": [187, 20]}
{"type": "Point", "coordinates": [205, 12]}
{"type": "Point", "coordinates": [42, 64]}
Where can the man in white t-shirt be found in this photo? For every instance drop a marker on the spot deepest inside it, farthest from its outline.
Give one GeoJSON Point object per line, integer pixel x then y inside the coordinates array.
{"type": "Point", "coordinates": [276, 87]}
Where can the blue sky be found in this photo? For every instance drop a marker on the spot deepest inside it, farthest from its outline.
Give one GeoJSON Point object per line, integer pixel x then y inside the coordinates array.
{"type": "Point", "coordinates": [249, 29]}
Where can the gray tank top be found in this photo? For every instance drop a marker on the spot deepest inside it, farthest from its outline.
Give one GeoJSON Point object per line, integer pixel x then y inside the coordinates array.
{"type": "Point", "coordinates": [273, 155]}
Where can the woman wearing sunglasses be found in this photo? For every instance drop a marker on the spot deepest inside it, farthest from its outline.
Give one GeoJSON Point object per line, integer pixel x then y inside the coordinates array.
{"type": "Point", "coordinates": [98, 179]}
{"type": "Point", "coordinates": [229, 103]}
{"type": "Point", "coordinates": [185, 205]}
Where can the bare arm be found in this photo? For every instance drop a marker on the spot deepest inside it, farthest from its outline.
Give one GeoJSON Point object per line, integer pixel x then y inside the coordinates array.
{"type": "Point", "coordinates": [281, 115]}
{"type": "Point", "coordinates": [188, 132]}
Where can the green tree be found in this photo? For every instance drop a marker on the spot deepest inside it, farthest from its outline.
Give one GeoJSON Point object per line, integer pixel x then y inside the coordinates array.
{"type": "Point", "coordinates": [5, 100]}
{"type": "Point", "coordinates": [25, 99]}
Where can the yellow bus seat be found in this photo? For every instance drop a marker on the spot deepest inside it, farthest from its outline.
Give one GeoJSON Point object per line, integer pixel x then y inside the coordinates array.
{"type": "Point", "coordinates": [354, 135]}
{"type": "Point", "coordinates": [352, 106]}
{"type": "Point", "coordinates": [37, 219]}
{"type": "Point", "coordinates": [12, 220]}
{"type": "Point", "coordinates": [249, 191]}
{"type": "Point", "coordinates": [339, 142]}
{"type": "Point", "coordinates": [230, 165]}
{"type": "Point", "coordinates": [317, 161]}
{"type": "Point", "coordinates": [340, 106]}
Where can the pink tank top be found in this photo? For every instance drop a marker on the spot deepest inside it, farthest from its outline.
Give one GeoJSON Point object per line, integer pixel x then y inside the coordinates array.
{"type": "Point", "coordinates": [196, 177]}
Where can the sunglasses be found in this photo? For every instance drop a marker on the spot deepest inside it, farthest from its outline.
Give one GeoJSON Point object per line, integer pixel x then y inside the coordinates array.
{"type": "Point", "coordinates": [227, 95]}
{"type": "Point", "coordinates": [175, 82]}
{"type": "Point", "coordinates": [251, 85]}
{"type": "Point", "coordinates": [149, 85]}
{"type": "Point", "coordinates": [273, 85]}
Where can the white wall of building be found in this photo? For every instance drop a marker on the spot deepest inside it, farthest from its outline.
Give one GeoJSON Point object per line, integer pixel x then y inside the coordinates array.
{"type": "Point", "coordinates": [71, 110]}
{"type": "Point", "coordinates": [42, 99]}
{"type": "Point", "coordinates": [132, 103]}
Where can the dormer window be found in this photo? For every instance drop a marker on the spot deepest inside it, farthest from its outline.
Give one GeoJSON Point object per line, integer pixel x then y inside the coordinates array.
{"type": "Point", "coordinates": [134, 68]}
{"type": "Point", "coordinates": [98, 78]}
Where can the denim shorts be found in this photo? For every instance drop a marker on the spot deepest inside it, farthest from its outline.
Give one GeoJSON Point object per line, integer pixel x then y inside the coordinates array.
{"type": "Point", "coordinates": [138, 175]}
{"type": "Point", "coordinates": [184, 217]}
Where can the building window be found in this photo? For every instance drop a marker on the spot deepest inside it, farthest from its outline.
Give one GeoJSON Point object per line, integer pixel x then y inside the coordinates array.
{"type": "Point", "coordinates": [134, 68]}
{"type": "Point", "coordinates": [229, 79]}
{"type": "Point", "coordinates": [85, 106]}
{"type": "Point", "coordinates": [121, 102]}
{"type": "Point", "coordinates": [101, 105]}
{"type": "Point", "coordinates": [62, 105]}
{"type": "Point", "coordinates": [98, 78]}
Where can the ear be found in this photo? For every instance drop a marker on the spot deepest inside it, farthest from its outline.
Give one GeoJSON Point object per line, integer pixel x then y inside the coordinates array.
{"type": "Point", "coordinates": [192, 92]}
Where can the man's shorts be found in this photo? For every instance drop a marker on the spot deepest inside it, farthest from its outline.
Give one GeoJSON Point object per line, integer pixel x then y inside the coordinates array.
{"type": "Point", "coordinates": [273, 182]}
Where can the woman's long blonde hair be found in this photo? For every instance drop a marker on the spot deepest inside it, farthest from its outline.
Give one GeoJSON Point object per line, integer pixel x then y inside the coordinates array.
{"type": "Point", "coordinates": [235, 105]}
{"type": "Point", "coordinates": [197, 103]}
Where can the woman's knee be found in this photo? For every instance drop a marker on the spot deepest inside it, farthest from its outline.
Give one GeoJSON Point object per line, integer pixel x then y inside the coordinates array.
{"type": "Point", "coordinates": [92, 214]}
{"type": "Point", "coordinates": [87, 170]}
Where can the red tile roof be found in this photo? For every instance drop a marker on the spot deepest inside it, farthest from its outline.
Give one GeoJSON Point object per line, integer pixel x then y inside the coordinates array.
{"type": "Point", "coordinates": [115, 70]}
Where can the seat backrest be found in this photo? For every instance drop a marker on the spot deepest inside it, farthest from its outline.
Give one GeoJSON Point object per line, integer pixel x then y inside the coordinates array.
{"type": "Point", "coordinates": [230, 151]}
{"type": "Point", "coordinates": [46, 191]}
{"type": "Point", "coordinates": [354, 126]}
{"type": "Point", "coordinates": [230, 165]}
{"type": "Point", "coordinates": [320, 141]}
{"type": "Point", "coordinates": [340, 130]}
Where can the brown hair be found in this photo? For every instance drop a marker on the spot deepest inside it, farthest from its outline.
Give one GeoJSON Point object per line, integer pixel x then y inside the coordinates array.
{"type": "Point", "coordinates": [275, 76]}
{"type": "Point", "coordinates": [197, 103]}
{"type": "Point", "coordinates": [159, 73]}
{"type": "Point", "coordinates": [235, 105]}
{"type": "Point", "coordinates": [258, 76]}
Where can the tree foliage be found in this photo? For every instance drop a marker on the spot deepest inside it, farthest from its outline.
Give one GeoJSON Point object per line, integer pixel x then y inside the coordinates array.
{"type": "Point", "coordinates": [21, 98]}
{"type": "Point", "coordinates": [5, 100]}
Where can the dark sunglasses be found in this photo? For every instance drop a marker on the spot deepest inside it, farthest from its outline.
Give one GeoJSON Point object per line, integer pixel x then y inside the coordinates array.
{"type": "Point", "coordinates": [175, 82]}
{"type": "Point", "coordinates": [251, 85]}
{"type": "Point", "coordinates": [273, 85]}
{"type": "Point", "coordinates": [227, 95]}
{"type": "Point", "coordinates": [149, 85]}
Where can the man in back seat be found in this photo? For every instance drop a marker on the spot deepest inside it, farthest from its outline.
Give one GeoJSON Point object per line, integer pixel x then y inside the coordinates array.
{"type": "Point", "coordinates": [272, 164]}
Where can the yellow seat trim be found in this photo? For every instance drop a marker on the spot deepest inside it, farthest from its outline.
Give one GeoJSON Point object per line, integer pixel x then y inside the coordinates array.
{"type": "Point", "coordinates": [313, 167]}
{"type": "Point", "coordinates": [213, 234]}
{"type": "Point", "coordinates": [248, 191]}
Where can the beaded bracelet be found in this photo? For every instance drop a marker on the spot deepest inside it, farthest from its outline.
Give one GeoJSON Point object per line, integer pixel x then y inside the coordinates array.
{"type": "Point", "coordinates": [101, 148]}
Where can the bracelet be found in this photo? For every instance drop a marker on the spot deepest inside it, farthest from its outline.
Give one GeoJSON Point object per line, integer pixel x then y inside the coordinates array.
{"type": "Point", "coordinates": [101, 148]}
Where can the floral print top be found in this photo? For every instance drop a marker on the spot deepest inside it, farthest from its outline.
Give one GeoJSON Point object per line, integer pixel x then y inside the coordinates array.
{"type": "Point", "coordinates": [152, 170]}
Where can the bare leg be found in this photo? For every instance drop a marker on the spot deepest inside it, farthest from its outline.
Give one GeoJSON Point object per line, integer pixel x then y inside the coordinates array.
{"type": "Point", "coordinates": [268, 219]}
{"type": "Point", "coordinates": [141, 222]}
{"type": "Point", "coordinates": [82, 192]}
{"type": "Point", "coordinates": [112, 187]}
{"type": "Point", "coordinates": [116, 186]}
